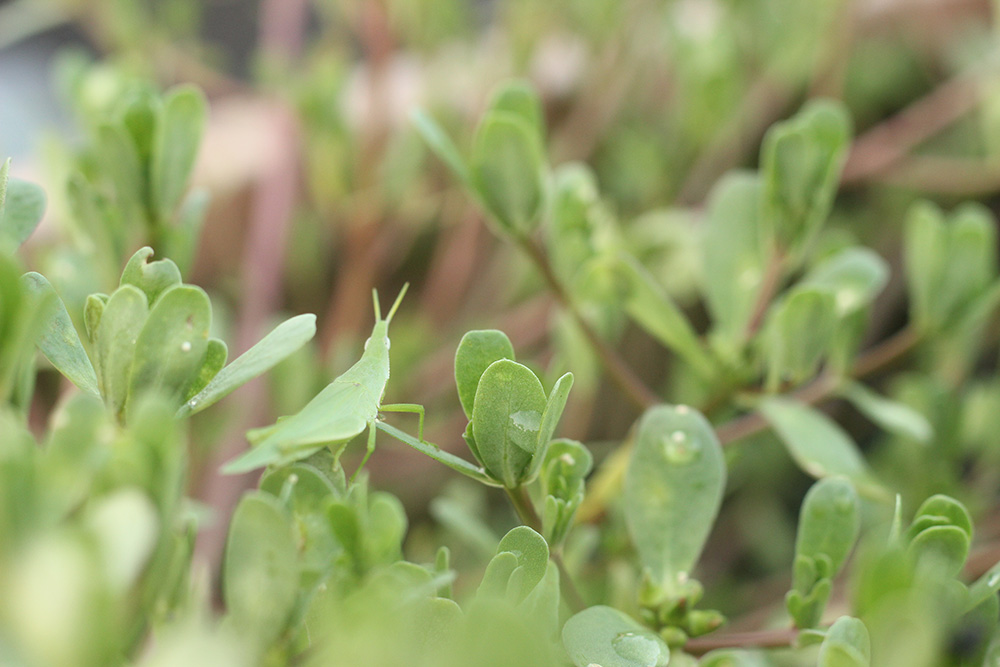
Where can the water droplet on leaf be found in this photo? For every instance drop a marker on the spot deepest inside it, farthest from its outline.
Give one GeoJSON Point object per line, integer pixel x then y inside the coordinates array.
{"type": "Point", "coordinates": [680, 449]}
{"type": "Point", "coordinates": [637, 647]}
{"type": "Point", "coordinates": [186, 346]}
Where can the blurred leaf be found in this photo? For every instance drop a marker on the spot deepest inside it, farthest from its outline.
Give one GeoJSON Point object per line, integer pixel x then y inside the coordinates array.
{"type": "Point", "coordinates": [126, 527]}
{"type": "Point", "coordinates": [854, 275]}
{"type": "Point", "coordinates": [518, 97]}
{"type": "Point", "coordinates": [508, 172]}
{"type": "Point", "coordinates": [607, 637]}
{"type": "Point", "coordinates": [22, 210]}
{"type": "Point", "coordinates": [846, 645]}
{"type": "Point", "coordinates": [658, 315]}
{"type": "Point", "coordinates": [801, 160]}
{"type": "Point", "coordinates": [518, 567]}
{"type": "Point", "coordinates": [731, 253]}
{"type": "Point", "coordinates": [893, 416]}
{"type": "Point", "coordinates": [261, 573]}
{"type": "Point", "coordinates": [441, 145]}
{"type": "Point", "coordinates": [506, 419]}
{"type": "Point", "coordinates": [673, 490]}
{"type": "Point", "coordinates": [799, 329]}
{"type": "Point", "coordinates": [476, 351]}
{"type": "Point", "coordinates": [175, 147]}
{"type": "Point", "coordinates": [285, 339]}
{"type": "Point", "coordinates": [818, 445]}
{"type": "Point", "coordinates": [829, 522]}
{"type": "Point", "coordinates": [216, 353]}
{"type": "Point", "coordinates": [59, 340]}
{"type": "Point", "coordinates": [123, 318]}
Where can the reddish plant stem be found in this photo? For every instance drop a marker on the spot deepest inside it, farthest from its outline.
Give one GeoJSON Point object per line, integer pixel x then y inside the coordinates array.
{"type": "Point", "coordinates": [779, 638]}
{"type": "Point", "coordinates": [822, 387]}
{"type": "Point", "coordinates": [769, 287]}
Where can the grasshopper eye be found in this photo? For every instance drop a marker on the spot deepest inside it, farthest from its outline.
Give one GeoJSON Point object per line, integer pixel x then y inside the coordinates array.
{"type": "Point", "coordinates": [387, 343]}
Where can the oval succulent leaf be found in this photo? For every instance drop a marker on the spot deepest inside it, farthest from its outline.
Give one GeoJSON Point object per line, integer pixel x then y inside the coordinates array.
{"type": "Point", "coordinates": [508, 172]}
{"type": "Point", "coordinates": [829, 522]}
{"type": "Point", "coordinates": [261, 573]}
{"type": "Point", "coordinates": [673, 489]}
{"type": "Point", "coordinates": [607, 637]}
{"type": "Point", "coordinates": [506, 418]}
{"type": "Point", "coordinates": [171, 347]}
{"type": "Point", "coordinates": [476, 351]}
{"type": "Point", "coordinates": [123, 318]}
{"type": "Point", "coordinates": [847, 644]}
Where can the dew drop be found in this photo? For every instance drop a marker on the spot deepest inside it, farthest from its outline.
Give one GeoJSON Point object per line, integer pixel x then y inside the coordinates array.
{"type": "Point", "coordinates": [186, 346]}
{"type": "Point", "coordinates": [638, 648]}
{"type": "Point", "coordinates": [682, 409]}
{"type": "Point", "coordinates": [680, 449]}
{"type": "Point", "coordinates": [567, 459]}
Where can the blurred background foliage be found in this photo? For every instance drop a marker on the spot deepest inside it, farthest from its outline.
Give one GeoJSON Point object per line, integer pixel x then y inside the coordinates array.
{"type": "Point", "coordinates": [315, 187]}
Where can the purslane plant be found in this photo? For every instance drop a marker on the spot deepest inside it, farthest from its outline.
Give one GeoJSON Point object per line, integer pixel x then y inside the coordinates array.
{"type": "Point", "coordinates": [97, 532]}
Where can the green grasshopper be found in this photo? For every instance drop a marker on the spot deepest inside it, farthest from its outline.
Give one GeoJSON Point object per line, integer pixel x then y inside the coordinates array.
{"type": "Point", "coordinates": [348, 405]}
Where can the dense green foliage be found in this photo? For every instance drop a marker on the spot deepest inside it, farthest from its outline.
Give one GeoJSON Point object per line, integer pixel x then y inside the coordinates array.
{"type": "Point", "coordinates": [777, 362]}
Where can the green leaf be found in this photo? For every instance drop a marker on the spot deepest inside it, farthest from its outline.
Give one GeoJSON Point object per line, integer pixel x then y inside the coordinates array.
{"type": "Point", "coordinates": [285, 339]}
{"type": "Point", "coordinates": [153, 278]}
{"type": "Point", "coordinates": [948, 509]}
{"type": "Point", "coordinates": [216, 353]}
{"type": "Point", "coordinates": [171, 346]}
{"type": "Point", "coordinates": [854, 275]}
{"type": "Point", "coordinates": [799, 332]}
{"type": "Point", "coordinates": [846, 645]}
{"type": "Point", "coordinates": [508, 172]}
{"type": "Point", "coordinates": [125, 526]}
{"type": "Point", "coordinates": [801, 160]}
{"type": "Point", "coordinates": [948, 264]}
{"type": "Point", "coordinates": [829, 522]}
{"type": "Point", "coordinates": [944, 547]}
{"type": "Point", "coordinates": [261, 572]}
{"type": "Point", "coordinates": [476, 351]}
{"type": "Point", "coordinates": [518, 566]}
{"type": "Point", "coordinates": [554, 407]}
{"type": "Point", "coordinates": [673, 489]}
{"type": "Point", "coordinates": [23, 208]}
{"type": "Point", "coordinates": [123, 318]}
{"type": "Point", "coordinates": [607, 637]}
{"type": "Point", "coordinates": [506, 419]}
{"type": "Point", "coordinates": [120, 159]}
{"type": "Point", "coordinates": [731, 255]}
{"type": "Point", "coordinates": [59, 340]}
{"type": "Point", "coordinates": [818, 445]}
{"type": "Point", "coordinates": [659, 316]}
{"type": "Point", "coordinates": [175, 147]}
{"type": "Point", "coordinates": [518, 97]}
{"type": "Point", "coordinates": [441, 145]}
{"type": "Point", "coordinates": [93, 310]}
{"type": "Point", "coordinates": [893, 416]}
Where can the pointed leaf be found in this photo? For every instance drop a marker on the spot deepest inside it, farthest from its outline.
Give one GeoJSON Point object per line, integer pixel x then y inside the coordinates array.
{"type": "Point", "coordinates": [59, 340]}
{"type": "Point", "coordinates": [818, 445]}
{"type": "Point", "coordinates": [175, 147]}
{"type": "Point", "coordinates": [893, 416]}
{"type": "Point", "coordinates": [441, 145]}
{"type": "Point", "coordinates": [285, 339]}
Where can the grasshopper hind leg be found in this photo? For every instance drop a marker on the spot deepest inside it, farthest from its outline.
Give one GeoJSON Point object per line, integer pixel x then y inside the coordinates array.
{"type": "Point", "coordinates": [368, 451]}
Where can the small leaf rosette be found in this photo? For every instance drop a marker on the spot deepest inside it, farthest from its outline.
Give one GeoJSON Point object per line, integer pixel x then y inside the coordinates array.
{"type": "Point", "coordinates": [511, 419]}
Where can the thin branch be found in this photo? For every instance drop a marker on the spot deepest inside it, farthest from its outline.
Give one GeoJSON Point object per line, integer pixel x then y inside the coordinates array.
{"type": "Point", "coordinates": [769, 287]}
{"type": "Point", "coordinates": [823, 386]}
{"type": "Point", "coordinates": [780, 638]}
{"type": "Point", "coordinates": [889, 142]}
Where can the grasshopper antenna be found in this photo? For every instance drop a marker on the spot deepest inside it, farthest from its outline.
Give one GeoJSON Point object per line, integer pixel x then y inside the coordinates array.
{"type": "Point", "coordinates": [395, 305]}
